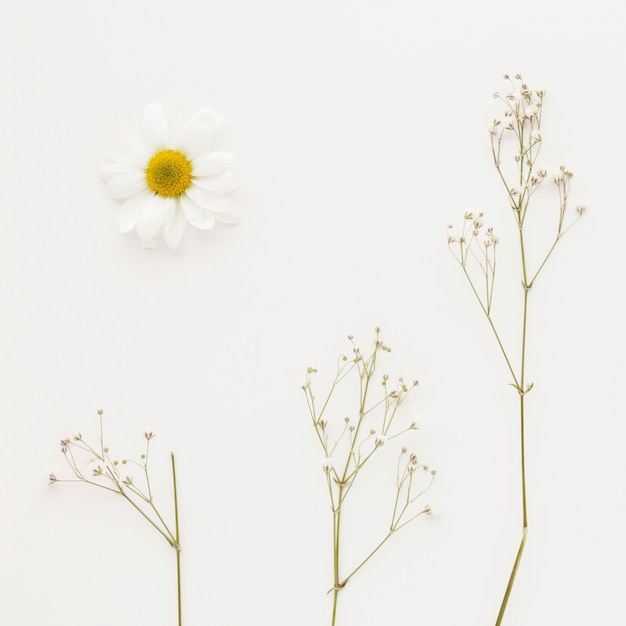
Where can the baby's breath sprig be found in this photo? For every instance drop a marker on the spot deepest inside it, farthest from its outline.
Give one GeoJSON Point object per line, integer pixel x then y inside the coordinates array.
{"type": "Point", "coordinates": [108, 473]}
{"type": "Point", "coordinates": [349, 443]}
{"type": "Point", "coordinates": [475, 247]}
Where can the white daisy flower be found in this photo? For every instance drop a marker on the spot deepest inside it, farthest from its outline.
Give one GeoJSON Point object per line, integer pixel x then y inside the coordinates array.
{"type": "Point", "coordinates": [164, 184]}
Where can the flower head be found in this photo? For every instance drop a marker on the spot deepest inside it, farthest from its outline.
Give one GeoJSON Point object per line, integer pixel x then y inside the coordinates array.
{"type": "Point", "coordinates": [164, 184]}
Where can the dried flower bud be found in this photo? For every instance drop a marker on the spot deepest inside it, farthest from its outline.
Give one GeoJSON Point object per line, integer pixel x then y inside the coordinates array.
{"type": "Point", "coordinates": [148, 434]}
{"type": "Point", "coordinates": [530, 111]}
{"type": "Point", "coordinates": [52, 478]}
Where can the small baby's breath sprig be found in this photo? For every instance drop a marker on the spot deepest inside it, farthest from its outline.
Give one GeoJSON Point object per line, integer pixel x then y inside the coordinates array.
{"type": "Point", "coordinates": [108, 473]}
{"type": "Point", "coordinates": [350, 442]}
{"type": "Point", "coordinates": [516, 140]}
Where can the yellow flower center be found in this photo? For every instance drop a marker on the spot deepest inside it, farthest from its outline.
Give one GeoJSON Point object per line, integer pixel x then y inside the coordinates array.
{"type": "Point", "coordinates": [169, 173]}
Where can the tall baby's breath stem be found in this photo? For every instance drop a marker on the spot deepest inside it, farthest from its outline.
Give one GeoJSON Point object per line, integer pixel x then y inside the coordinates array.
{"type": "Point", "coordinates": [522, 124]}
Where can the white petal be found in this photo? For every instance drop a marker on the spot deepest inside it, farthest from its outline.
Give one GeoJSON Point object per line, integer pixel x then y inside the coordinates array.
{"type": "Point", "coordinates": [152, 214]}
{"type": "Point", "coordinates": [122, 186]}
{"type": "Point", "coordinates": [212, 163]}
{"type": "Point", "coordinates": [129, 212]}
{"type": "Point", "coordinates": [155, 126]}
{"type": "Point", "coordinates": [198, 132]}
{"type": "Point", "coordinates": [174, 227]}
{"type": "Point", "coordinates": [208, 199]}
{"type": "Point", "coordinates": [128, 150]}
{"type": "Point", "coordinates": [197, 216]}
{"type": "Point", "coordinates": [109, 170]}
{"type": "Point", "coordinates": [227, 217]}
{"type": "Point", "coordinates": [223, 183]}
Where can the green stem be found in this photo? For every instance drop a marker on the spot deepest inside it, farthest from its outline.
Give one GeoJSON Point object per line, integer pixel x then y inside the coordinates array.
{"type": "Point", "coordinates": [336, 536]}
{"type": "Point", "coordinates": [518, 558]}
{"type": "Point", "coordinates": [365, 560]}
{"type": "Point", "coordinates": [167, 538]}
{"type": "Point", "coordinates": [177, 546]}
{"type": "Point", "coordinates": [522, 391]}
{"type": "Point", "coordinates": [493, 328]}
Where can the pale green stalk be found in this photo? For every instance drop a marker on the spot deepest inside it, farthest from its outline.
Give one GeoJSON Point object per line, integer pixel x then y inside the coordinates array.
{"type": "Point", "coordinates": [525, 128]}
{"type": "Point", "coordinates": [358, 454]}
{"type": "Point", "coordinates": [125, 487]}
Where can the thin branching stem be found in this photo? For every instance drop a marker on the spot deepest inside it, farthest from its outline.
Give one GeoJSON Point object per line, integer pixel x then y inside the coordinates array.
{"type": "Point", "coordinates": [356, 444]}
{"type": "Point", "coordinates": [107, 470]}
{"type": "Point", "coordinates": [523, 120]}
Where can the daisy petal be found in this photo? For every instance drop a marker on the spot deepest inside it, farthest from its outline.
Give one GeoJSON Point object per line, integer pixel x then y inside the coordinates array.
{"type": "Point", "coordinates": [198, 217]}
{"type": "Point", "coordinates": [212, 163]}
{"type": "Point", "coordinates": [198, 132]}
{"type": "Point", "coordinates": [174, 227]}
{"type": "Point", "coordinates": [129, 212]}
{"type": "Point", "coordinates": [153, 212]}
{"type": "Point", "coordinates": [127, 150]}
{"type": "Point", "coordinates": [109, 170]}
{"type": "Point", "coordinates": [227, 217]}
{"type": "Point", "coordinates": [155, 126]}
{"type": "Point", "coordinates": [208, 199]}
{"type": "Point", "coordinates": [126, 184]}
{"type": "Point", "coordinates": [223, 183]}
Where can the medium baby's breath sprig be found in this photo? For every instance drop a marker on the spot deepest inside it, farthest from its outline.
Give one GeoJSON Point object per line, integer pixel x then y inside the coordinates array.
{"type": "Point", "coordinates": [110, 474]}
{"type": "Point", "coordinates": [350, 442]}
{"type": "Point", "coordinates": [474, 247]}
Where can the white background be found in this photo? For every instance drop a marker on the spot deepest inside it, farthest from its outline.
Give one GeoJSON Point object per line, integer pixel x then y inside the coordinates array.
{"type": "Point", "coordinates": [360, 129]}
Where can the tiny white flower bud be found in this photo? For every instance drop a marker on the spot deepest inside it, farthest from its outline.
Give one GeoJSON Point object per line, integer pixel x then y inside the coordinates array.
{"type": "Point", "coordinates": [327, 464]}
{"type": "Point", "coordinates": [530, 111]}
